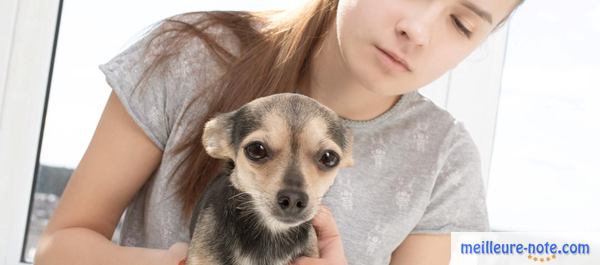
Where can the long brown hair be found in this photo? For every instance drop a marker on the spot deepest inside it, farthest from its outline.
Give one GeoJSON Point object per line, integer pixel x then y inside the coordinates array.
{"type": "Point", "coordinates": [274, 59]}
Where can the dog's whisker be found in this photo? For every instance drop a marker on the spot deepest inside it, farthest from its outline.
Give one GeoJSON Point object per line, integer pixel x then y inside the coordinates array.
{"type": "Point", "coordinates": [236, 195]}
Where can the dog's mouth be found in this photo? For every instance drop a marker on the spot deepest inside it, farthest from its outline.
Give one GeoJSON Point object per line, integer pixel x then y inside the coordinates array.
{"type": "Point", "coordinates": [278, 220]}
{"type": "Point", "coordinates": [291, 219]}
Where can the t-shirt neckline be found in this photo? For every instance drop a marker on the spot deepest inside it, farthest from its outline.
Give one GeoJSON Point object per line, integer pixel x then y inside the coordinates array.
{"type": "Point", "coordinates": [406, 97]}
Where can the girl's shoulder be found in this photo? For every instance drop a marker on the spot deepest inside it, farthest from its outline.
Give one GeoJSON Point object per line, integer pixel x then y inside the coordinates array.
{"type": "Point", "coordinates": [164, 69]}
{"type": "Point", "coordinates": [421, 113]}
{"type": "Point", "coordinates": [196, 33]}
{"type": "Point", "coordinates": [426, 118]}
{"type": "Point", "coordinates": [227, 29]}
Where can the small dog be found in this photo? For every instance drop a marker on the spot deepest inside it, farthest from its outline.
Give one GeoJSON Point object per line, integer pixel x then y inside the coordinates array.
{"type": "Point", "coordinates": [283, 152]}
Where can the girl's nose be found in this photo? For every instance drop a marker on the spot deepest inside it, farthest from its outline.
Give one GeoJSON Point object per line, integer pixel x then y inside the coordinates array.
{"type": "Point", "coordinates": [416, 23]}
{"type": "Point", "coordinates": [414, 31]}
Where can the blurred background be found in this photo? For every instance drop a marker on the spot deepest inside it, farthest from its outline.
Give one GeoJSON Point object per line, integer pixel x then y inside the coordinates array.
{"type": "Point", "coordinates": [539, 147]}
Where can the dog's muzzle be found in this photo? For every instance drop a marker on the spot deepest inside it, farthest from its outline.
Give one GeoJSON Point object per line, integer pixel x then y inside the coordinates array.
{"type": "Point", "coordinates": [291, 204]}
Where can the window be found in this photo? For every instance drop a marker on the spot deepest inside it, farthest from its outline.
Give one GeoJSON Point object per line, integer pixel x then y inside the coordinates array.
{"type": "Point", "coordinates": [543, 174]}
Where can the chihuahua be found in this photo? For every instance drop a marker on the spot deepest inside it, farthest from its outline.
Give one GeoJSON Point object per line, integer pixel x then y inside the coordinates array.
{"type": "Point", "coordinates": [282, 154]}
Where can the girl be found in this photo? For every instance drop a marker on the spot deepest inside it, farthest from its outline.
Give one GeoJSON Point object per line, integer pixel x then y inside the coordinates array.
{"type": "Point", "coordinates": [417, 171]}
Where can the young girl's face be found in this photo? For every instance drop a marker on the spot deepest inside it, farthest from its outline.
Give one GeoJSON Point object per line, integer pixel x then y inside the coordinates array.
{"type": "Point", "coordinates": [430, 36]}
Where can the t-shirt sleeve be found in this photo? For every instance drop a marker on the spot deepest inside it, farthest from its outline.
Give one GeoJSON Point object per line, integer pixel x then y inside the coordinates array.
{"type": "Point", "coordinates": [457, 202]}
{"type": "Point", "coordinates": [155, 99]}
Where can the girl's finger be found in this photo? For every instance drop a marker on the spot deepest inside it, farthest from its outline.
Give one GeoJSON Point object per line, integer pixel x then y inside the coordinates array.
{"type": "Point", "coordinates": [324, 224]}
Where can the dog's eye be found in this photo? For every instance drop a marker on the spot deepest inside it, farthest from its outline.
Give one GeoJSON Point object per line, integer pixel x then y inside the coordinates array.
{"type": "Point", "coordinates": [329, 159]}
{"type": "Point", "coordinates": [255, 151]}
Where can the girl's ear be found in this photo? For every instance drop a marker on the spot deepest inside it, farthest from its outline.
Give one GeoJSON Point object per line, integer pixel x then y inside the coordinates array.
{"type": "Point", "coordinates": [216, 138]}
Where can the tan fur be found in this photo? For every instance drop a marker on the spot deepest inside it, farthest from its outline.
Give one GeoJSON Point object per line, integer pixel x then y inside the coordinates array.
{"type": "Point", "coordinates": [198, 254]}
{"type": "Point", "coordinates": [214, 138]}
{"type": "Point", "coordinates": [266, 177]}
{"type": "Point", "coordinates": [313, 136]}
{"type": "Point", "coordinates": [313, 243]}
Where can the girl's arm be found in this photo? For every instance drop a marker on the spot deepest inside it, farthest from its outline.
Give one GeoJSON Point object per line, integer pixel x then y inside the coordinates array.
{"type": "Point", "coordinates": [421, 249]}
{"type": "Point", "coordinates": [118, 161]}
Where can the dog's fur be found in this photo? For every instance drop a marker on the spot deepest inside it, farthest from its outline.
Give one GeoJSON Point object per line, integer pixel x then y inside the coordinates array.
{"type": "Point", "coordinates": [241, 219]}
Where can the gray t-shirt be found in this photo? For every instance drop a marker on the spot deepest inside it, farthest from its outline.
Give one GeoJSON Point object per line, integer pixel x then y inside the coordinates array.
{"type": "Point", "coordinates": [417, 170]}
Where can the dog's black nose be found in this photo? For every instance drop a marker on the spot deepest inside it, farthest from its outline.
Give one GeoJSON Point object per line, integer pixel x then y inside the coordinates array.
{"type": "Point", "coordinates": [291, 201]}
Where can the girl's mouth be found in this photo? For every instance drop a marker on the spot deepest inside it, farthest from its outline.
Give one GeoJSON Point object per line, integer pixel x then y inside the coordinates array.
{"type": "Point", "coordinates": [389, 60]}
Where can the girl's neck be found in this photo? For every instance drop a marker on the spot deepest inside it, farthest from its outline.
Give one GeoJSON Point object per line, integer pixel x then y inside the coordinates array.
{"type": "Point", "coordinates": [333, 85]}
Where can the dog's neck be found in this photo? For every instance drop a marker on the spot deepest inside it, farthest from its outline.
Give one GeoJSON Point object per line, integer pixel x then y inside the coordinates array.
{"type": "Point", "coordinates": [240, 225]}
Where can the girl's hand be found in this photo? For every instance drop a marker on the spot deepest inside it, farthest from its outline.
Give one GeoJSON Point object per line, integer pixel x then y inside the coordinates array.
{"type": "Point", "coordinates": [176, 254]}
{"type": "Point", "coordinates": [329, 241]}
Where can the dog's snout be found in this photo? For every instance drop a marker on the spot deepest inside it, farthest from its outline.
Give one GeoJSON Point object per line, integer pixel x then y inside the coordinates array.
{"type": "Point", "coordinates": [291, 201]}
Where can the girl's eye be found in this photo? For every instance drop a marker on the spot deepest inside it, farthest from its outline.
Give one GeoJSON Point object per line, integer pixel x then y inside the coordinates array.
{"type": "Point", "coordinates": [329, 159]}
{"type": "Point", "coordinates": [461, 27]}
{"type": "Point", "coordinates": [255, 151]}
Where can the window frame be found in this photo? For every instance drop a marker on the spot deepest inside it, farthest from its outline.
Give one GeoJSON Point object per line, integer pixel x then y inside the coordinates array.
{"type": "Point", "coordinates": [25, 68]}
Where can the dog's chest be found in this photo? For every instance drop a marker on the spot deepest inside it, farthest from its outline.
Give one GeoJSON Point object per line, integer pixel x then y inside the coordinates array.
{"type": "Point", "coordinates": [245, 260]}
{"type": "Point", "coordinates": [222, 233]}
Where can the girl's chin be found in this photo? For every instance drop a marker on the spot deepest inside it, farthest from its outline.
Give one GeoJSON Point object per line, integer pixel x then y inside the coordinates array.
{"type": "Point", "coordinates": [384, 91]}
{"type": "Point", "coordinates": [383, 88]}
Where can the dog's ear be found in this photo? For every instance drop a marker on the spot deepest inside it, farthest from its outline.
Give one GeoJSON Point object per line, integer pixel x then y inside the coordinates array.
{"type": "Point", "coordinates": [216, 137]}
{"type": "Point", "coordinates": [347, 160]}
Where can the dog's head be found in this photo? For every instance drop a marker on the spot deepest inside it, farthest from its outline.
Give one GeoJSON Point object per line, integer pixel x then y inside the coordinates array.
{"type": "Point", "coordinates": [287, 149]}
